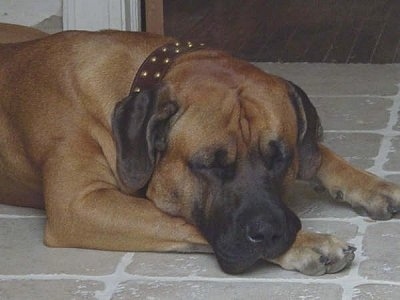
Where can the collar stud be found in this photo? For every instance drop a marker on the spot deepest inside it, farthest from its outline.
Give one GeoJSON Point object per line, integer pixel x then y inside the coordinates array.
{"type": "Point", "coordinates": [156, 65]}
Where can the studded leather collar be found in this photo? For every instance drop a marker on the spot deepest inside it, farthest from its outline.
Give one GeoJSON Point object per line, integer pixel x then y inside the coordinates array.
{"type": "Point", "coordinates": [156, 65]}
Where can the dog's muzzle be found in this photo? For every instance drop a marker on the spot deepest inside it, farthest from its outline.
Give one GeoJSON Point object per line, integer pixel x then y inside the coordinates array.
{"type": "Point", "coordinates": [245, 227]}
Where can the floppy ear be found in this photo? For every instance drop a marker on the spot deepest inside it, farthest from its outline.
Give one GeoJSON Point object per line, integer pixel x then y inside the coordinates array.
{"type": "Point", "coordinates": [139, 125]}
{"type": "Point", "coordinates": [309, 132]}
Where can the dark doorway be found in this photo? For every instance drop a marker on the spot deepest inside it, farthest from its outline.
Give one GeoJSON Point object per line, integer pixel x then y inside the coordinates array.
{"type": "Point", "coordinates": [334, 31]}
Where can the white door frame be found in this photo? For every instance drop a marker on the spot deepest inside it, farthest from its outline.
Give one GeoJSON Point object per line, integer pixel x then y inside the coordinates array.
{"type": "Point", "coordinates": [101, 14]}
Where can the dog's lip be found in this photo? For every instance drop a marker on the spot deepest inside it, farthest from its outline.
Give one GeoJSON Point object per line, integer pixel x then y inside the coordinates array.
{"type": "Point", "coordinates": [235, 262]}
{"type": "Point", "coordinates": [241, 259]}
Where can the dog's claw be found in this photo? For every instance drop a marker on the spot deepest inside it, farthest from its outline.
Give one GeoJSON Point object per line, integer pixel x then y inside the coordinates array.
{"type": "Point", "coordinates": [350, 249]}
{"type": "Point", "coordinates": [380, 202]}
{"type": "Point", "coordinates": [324, 260]}
{"type": "Point", "coordinates": [393, 210]}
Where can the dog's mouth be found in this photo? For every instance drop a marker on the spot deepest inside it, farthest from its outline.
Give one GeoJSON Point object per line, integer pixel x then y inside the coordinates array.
{"type": "Point", "coordinates": [237, 256]}
{"type": "Point", "coordinates": [240, 244]}
{"type": "Point", "coordinates": [236, 263]}
{"type": "Point", "coordinates": [242, 235]}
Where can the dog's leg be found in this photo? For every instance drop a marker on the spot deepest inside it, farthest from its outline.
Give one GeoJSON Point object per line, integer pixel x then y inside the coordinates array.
{"type": "Point", "coordinates": [364, 191]}
{"type": "Point", "coordinates": [316, 254]}
{"type": "Point", "coordinates": [86, 210]}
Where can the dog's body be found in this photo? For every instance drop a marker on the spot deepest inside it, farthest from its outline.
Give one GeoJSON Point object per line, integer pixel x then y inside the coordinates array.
{"type": "Point", "coordinates": [202, 159]}
{"type": "Point", "coordinates": [10, 33]}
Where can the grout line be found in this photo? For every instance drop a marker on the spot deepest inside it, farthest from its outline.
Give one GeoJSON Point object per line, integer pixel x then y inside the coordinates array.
{"type": "Point", "coordinates": [352, 96]}
{"type": "Point", "coordinates": [189, 278]}
{"type": "Point", "coordinates": [382, 131]}
{"type": "Point", "coordinates": [386, 143]}
{"type": "Point", "coordinates": [355, 220]}
{"type": "Point", "coordinates": [54, 276]}
{"type": "Point", "coordinates": [5, 216]}
{"type": "Point", "coordinates": [353, 278]}
{"type": "Point", "coordinates": [379, 161]}
{"type": "Point", "coordinates": [112, 282]}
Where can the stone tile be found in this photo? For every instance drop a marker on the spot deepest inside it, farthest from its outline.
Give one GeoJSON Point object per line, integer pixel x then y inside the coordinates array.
{"type": "Point", "coordinates": [397, 125]}
{"type": "Point", "coordinates": [380, 234]}
{"type": "Point", "coordinates": [381, 245]}
{"type": "Point", "coordinates": [339, 79]}
{"type": "Point", "coordinates": [23, 252]}
{"type": "Point", "coordinates": [393, 162]}
{"type": "Point", "coordinates": [226, 290]}
{"type": "Point", "coordinates": [20, 211]}
{"type": "Point", "coordinates": [359, 149]}
{"type": "Point", "coordinates": [395, 178]}
{"type": "Point", "coordinates": [49, 289]}
{"type": "Point", "coordinates": [199, 265]}
{"type": "Point", "coordinates": [376, 292]}
{"type": "Point", "coordinates": [174, 264]}
{"type": "Point", "coordinates": [307, 203]}
{"type": "Point", "coordinates": [353, 113]}
{"type": "Point", "coordinates": [380, 268]}
{"type": "Point", "coordinates": [344, 230]}
{"type": "Point", "coordinates": [205, 265]}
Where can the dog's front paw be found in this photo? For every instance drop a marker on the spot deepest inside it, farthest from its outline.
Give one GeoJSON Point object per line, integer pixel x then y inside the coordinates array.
{"type": "Point", "coordinates": [317, 254]}
{"type": "Point", "coordinates": [380, 201]}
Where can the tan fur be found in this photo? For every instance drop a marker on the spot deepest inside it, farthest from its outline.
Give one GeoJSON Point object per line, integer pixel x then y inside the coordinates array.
{"type": "Point", "coordinates": [10, 33]}
{"type": "Point", "coordinates": [57, 97]}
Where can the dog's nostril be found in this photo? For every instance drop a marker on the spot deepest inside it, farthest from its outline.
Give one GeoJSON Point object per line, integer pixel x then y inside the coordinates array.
{"type": "Point", "coordinates": [261, 233]}
{"type": "Point", "coordinates": [257, 238]}
{"type": "Point", "coordinates": [275, 238]}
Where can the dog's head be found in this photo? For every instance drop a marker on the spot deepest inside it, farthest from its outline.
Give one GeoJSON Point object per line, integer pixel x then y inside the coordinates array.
{"type": "Point", "coordinates": [217, 143]}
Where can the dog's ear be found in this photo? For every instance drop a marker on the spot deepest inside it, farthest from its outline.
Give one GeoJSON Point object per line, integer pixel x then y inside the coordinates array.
{"type": "Point", "coordinates": [139, 125]}
{"type": "Point", "coordinates": [309, 132]}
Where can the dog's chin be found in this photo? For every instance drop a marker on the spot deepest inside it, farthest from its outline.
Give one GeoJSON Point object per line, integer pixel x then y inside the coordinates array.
{"type": "Point", "coordinates": [236, 260]}
{"type": "Point", "coordinates": [236, 264]}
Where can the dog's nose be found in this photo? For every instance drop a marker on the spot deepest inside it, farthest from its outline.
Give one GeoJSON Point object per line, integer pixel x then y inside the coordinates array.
{"type": "Point", "coordinates": [259, 231]}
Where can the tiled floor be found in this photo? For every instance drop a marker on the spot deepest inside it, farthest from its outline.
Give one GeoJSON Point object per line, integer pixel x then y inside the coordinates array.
{"type": "Point", "coordinates": [359, 106]}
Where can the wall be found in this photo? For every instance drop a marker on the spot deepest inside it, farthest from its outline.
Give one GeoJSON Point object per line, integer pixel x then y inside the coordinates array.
{"type": "Point", "coordinates": [41, 14]}
{"type": "Point", "coordinates": [55, 15]}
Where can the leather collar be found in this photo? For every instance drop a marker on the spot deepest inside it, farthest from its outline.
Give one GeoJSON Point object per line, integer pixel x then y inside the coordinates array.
{"type": "Point", "coordinates": [156, 65]}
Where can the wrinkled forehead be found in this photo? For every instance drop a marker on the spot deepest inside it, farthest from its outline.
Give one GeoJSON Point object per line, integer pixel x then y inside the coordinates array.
{"type": "Point", "coordinates": [239, 108]}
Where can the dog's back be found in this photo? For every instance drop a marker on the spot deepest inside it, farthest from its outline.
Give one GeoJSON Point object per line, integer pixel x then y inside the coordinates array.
{"type": "Point", "coordinates": [10, 33]}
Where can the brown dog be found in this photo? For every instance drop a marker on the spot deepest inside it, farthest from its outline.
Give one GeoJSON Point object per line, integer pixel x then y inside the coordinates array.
{"type": "Point", "coordinates": [202, 158]}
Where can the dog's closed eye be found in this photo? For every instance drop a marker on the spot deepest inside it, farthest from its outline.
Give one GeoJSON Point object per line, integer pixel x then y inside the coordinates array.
{"type": "Point", "coordinates": [214, 163]}
{"type": "Point", "coordinates": [277, 158]}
